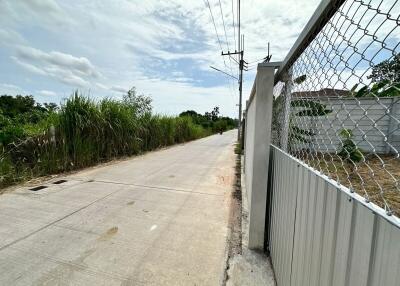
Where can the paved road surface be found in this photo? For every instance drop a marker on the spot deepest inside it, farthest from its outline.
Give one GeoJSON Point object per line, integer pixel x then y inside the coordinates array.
{"type": "Point", "coordinates": [157, 219]}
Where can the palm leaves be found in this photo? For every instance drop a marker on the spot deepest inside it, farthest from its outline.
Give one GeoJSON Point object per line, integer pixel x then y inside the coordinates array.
{"type": "Point", "coordinates": [303, 108]}
{"type": "Point", "coordinates": [384, 88]}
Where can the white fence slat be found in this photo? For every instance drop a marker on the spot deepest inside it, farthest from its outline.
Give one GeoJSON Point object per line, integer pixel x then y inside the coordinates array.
{"type": "Point", "coordinates": [330, 236]}
{"type": "Point", "coordinates": [362, 243]}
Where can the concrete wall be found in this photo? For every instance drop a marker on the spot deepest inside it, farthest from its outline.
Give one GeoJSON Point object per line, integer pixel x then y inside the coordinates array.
{"type": "Point", "coordinates": [374, 129]}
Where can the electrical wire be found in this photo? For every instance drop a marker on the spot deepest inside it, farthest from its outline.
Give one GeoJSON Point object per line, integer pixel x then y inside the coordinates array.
{"type": "Point", "coordinates": [215, 27]}
{"type": "Point", "coordinates": [216, 31]}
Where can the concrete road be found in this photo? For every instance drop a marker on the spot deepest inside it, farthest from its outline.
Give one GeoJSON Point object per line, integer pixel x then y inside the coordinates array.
{"type": "Point", "coordinates": [156, 219]}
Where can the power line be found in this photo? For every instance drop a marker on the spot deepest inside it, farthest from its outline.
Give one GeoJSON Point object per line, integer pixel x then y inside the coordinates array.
{"type": "Point", "coordinates": [257, 61]}
{"type": "Point", "coordinates": [233, 23]}
{"type": "Point", "coordinates": [241, 63]}
{"type": "Point", "coordinates": [224, 72]}
{"type": "Point", "coordinates": [223, 23]}
{"type": "Point", "coordinates": [230, 56]}
{"type": "Point", "coordinates": [216, 31]}
{"type": "Point", "coordinates": [238, 15]}
{"type": "Point", "coordinates": [215, 26]}
{"type": "Point", "coordinates": [226, 36]}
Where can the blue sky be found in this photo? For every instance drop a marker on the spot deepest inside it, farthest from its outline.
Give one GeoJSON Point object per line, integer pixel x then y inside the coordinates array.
{"type": "Point", "coordinates": [49, 48]}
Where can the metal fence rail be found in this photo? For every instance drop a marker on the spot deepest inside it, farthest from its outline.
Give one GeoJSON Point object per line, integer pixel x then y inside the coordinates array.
{"type": "Point", "coordinates": [337, 97]}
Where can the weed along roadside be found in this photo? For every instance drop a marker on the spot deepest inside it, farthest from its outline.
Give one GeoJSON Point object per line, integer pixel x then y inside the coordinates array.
{"type": "Point", "coordinates": [39, 140]}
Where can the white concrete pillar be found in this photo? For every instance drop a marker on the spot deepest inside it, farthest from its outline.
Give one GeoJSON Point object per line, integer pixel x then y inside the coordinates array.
{"type": "Point", "coordinates": [259, 161]}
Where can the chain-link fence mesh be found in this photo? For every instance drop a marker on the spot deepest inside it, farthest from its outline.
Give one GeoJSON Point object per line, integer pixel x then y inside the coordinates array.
{"type": "Point", "coordinates": [337, 107]}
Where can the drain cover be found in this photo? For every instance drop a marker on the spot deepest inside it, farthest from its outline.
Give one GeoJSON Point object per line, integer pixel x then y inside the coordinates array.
{"type": "Point", "coordinates": [59, 182]}
{"type": "Point", "coordinates": [38, 188]}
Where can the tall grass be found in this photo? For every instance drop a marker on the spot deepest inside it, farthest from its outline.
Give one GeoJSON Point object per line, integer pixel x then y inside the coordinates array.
{"type": "Point", "coordinates": [84, 133]}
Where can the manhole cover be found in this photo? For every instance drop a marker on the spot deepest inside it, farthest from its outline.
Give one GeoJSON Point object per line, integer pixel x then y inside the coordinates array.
{"type": "Point", "coordinates": [38, 188]}
{"type": "Point", "coordinates": [59, 182]}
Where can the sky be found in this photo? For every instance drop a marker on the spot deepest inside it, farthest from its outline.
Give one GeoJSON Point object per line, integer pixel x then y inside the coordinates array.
{"type": "Point", "coordinates": [50, 48]}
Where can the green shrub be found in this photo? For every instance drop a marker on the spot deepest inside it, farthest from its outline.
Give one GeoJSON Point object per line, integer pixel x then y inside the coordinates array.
{"type": "Point", "coordinates": [349, 151]}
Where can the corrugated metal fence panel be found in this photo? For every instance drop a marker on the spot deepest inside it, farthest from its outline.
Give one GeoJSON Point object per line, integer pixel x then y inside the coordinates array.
{"type": "Point", "coordinates": [322, 235]}
{"type": "Point", "coordinates": [283, 204]}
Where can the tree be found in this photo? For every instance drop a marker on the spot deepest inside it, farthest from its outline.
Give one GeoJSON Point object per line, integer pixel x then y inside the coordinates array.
{"type": "Point", "coordinates": [388, 70]}
{"type": "Point", "coordinates": [190, 113]}
{"type": "Point", "coordinates": [215, 113]}
{"type": "Point", "coordinates": [210, 119]}
{"type": "Point", "coordinates": [385, 77]}
{"type": "Point", "coordinates": [13, 106]}
{"type": "Point", "coordinates": [140, 103]}
{"type": "Point", "coordinates": [51, 107]}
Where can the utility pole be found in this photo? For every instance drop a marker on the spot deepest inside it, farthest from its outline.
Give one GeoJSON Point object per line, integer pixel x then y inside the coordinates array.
{"type": "Point", "coordinates": [241, 66]}
{"type": "Point", "coordinates": [240, 61]}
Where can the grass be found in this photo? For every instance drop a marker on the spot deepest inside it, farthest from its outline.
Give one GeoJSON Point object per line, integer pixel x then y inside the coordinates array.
{"type": "Point", "coordinates": [84, 133]}
{"type": "Point", "coordinates": [377, 179]}
{"type": "Point", "coordinates": [238, 149]}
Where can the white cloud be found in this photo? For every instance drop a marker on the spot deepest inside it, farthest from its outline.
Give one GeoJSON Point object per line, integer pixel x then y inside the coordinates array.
{"type": "Point", "coordinates": [47, 92]}
{"type": "Point", "coordinates": [118, 89]}
{"type": "Point", "coordinates": [46, 13]}
{"type": "Point", "coordinates": [79, 65]}
{"type": "Point", "coordinates": [10, 37]}
{"type": "Point", "coordinates": [11, 89]}
{"type": "Point", "coordinates": [68, 69]}
{"type": "Point", "coordinates": [29, 67]}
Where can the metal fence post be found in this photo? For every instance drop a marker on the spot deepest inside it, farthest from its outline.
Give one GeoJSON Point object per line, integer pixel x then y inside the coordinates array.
{"type": "Point", "coordinates": [259, 162]}
{"type": "Point", "coordinates": [393, 127]}
{"type": "Point", "coordinates": [287, 78]}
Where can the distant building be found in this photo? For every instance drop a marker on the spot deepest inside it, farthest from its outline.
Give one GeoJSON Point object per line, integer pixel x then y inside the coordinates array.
{"type": "Point", "coordinates": [326, 92]}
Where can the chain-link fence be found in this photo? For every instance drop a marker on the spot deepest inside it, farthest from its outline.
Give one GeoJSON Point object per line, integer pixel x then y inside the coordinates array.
{"type": "Point", "coordinates": [337, 104]}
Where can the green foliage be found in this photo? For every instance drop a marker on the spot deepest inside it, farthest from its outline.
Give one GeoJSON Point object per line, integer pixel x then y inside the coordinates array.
{"type": "Point", "coordinates": [310, 108]}
{"type": "Point", "coordinates": [21, 116]}
{"type": "Point", "coordinates": [220, 126]}
{"type": "Point", "coordinates": [82, 133]}
{"type": "Point", "coordinates": [379, 89]}
{"type": "Point", "coordinates": [388, 70]}
{"type": "Point", "coordinates": [349, 151]}
{"type": "Point", "coordinates": [306, 107]}
{"type": "Point", "coordinates": [141, 104]}
{"type": "Point", "coordinates": [238, 149]}
{"type": "Point", "coordinates": [211, 120]}
{"type": "Point", "coordinates": [300, 79]}
{"type": "Point", "coordinates": [385, 77]}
